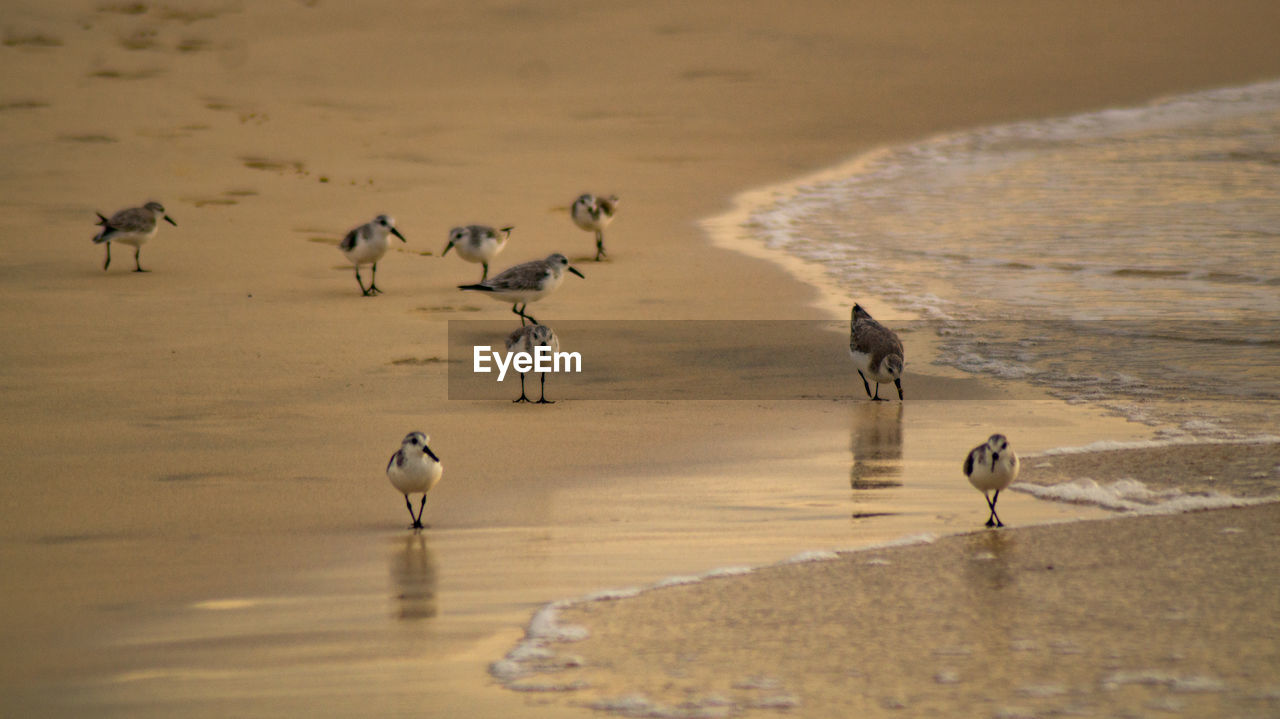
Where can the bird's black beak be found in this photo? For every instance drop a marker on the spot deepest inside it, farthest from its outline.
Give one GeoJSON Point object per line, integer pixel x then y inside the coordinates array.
{"type": "Point", "coordinates": [447, 248]}
{"type": "Point", "coordinates": [576, 272]}
{"type": "Point", "coordinates": [995, 457]}
{"type": "Point", "coordinates": [396, 232]}
{"type": "Point", "coordinates": [430, 453]}
{"type": "Point", "coordinates": [170, 220]}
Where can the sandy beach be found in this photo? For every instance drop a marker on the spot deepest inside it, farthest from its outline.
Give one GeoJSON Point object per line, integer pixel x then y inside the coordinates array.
{"type": "Point", "coordinates": [196, 517]}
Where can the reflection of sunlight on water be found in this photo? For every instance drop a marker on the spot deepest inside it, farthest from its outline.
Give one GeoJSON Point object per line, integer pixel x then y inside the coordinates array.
{"type": "Point", "coordinates": [413, 577]}
{"type": "Point", "coordinates": [1124, 232]}
{"type": "Point", "coordinates": [876, 444]}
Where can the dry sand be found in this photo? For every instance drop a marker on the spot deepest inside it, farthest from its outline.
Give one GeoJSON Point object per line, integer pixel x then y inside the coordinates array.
{"type": "Point", "coordinates": [195, 519]}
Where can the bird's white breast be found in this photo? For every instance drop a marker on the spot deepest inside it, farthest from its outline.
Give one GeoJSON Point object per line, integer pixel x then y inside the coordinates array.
{"type": "Point", "coordinates": [1006, 470]}
{"type": "Point", "coordinates": [480, 249]}
{"type": "Point", "coordinates": [134, 238]}
{"type": "Point", "coordinates": [368, 249]}
{"type": "Point", "coordinates": [418, 475]}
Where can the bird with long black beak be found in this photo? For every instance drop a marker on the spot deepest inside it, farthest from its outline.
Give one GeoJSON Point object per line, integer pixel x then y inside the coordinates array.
{"type": "Point", "coordinates": [525, 283]}
{"type": "Point", "coordinates": [992, 466]}
{"type": "Point", "coordinates": [478, 243]}
{"type": "Point", "coordinates": [414, 469]}
{"type": "Point", "coordinates": [365, 245]}
{"type": "Point", "coordinates": [528, 339]}
{"type": "Point", "coordinates": [132, 226]}
{"type": "Point", "coordinates": [876, 351]}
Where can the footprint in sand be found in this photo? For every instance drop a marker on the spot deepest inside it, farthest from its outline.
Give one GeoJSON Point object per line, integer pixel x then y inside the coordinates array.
{"type": "Point", "coordinates": [88, 138]}
{"type": "Point", "coordinates": [23, 105]}
{"type": "Point", "coordinates": [34, 39]}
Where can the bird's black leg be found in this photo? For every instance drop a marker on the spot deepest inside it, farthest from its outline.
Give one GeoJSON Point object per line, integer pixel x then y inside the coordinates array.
{"type": "Point", "coordinates": [137, 261]}
{"type": "Point", "coordinates": [523, 398]}
{"type": "Point", "coordinates": [865, 386]}
{"type": "Point", "coordinates": [107, 264]}
{"type": "Point", "coordinates": [523, 316]}
{"type": "Point", "coordinates": [992, 520]}
{"type": "Point", "coordinates": [517, 309]}
{"type": "Point", "coordinates": [373, 281]}
{"type": "Point", "coordinates": [995, 499]}
{"type": "Point", "coordinates": [421, 508]}
{"type": "Point", "coordinates": [416, 524]}
{"type": "Point", "coordinates": [600, 253]}
{"type": "Point", "coordinates": [485, 265]}
{"type": "Point", "coordinates": [877, 397]}
{"type": "Point", "coordinates": [898, 383]}
{"type": "Point", "coordinates": [544, 399]}
{"type": "Point", "coordinates": [359, 281]}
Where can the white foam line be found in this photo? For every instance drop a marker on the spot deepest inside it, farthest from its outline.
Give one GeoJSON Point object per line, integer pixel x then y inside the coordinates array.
{"type": "Point", "coordinates": [534, 653]}
{"type": "Point", "coordinates": [1112, 445]}
{"type": "Point", "coordinates": [815, 555]}
{"type": "Point", "coordinates": [1132, 496]}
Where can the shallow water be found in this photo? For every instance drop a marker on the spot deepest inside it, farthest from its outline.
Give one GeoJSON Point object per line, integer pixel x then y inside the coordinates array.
{"type": "Point", "coordinates": [1124, 257]}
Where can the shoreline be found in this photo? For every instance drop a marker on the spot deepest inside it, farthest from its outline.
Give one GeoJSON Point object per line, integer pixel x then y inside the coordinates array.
{"type": "Point", "coordinates": [546, 660]}
{"type": "Point", "coordinates": [199, 523]}
{"type": "Point", "coordinates": [679, 660]}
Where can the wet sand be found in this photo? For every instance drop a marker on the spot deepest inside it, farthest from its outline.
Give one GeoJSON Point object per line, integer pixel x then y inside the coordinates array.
{"type": "Point", "coordinates": [196, 520]}
{"type": "Point", "coordinates": [1105, 618]}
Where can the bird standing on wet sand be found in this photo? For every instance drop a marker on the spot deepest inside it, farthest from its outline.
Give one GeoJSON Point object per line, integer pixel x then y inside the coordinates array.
{"type": "Point", "coordinates": [528, 339]}
{"type": "Point", "coordinates": [992, 466]}
{"type": "Point", "coordinates": [593, 213]}
{"type": "Point", "coordinates": [477, 243]}
{"type": "Point", "coordinates": [525, 283]}
{"type": "Point", "coordinates": [133, 226]}
{"type": "Point", "coordinates": [365, 245]}
{"type": "Point", "coordinates": [876, 351]}
{"type": "Point", "coordinates": [414, 469]}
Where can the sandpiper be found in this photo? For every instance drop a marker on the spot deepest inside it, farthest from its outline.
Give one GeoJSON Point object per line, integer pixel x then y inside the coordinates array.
{"type": "Point", "coordinates": [876, 351]}
{"type": "Point", "coordinates": [525, 283]}
{"type": "Point", "coordinates": [414, 469]}
{"type": "Point", "coordinates": [992, 466]}
{"type": "Point", "coordinates": [528, 339]}
{"type": "Point", "coordinates": [133, 226]}
{"type": "Point", "coordinates": [365, 245]}
{"type": "Point", "coordinates": [477, 243]}
{"type": "Point", "coordinates": [593, 213]}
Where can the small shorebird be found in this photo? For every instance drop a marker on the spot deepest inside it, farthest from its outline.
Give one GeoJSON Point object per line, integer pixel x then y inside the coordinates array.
{"type": "Point", "coordinates": [365, 245]}
{"type": "Point", "coordinates": [992, 466]}
{"type": "Point", "coordinates": [133, 226]}
{"type": "Point", "coordinates": [876, 351]}
{"type": "Point", "coordinates": [414, 468]}
{"type": "Point", "coordinates": [477, 243]}
{"type": "Point", "coordinates": [594, 213]}
{"type": "Point", "coordinates": [527, 339]}
{"type": "Point", "coordinates": [525, 283]}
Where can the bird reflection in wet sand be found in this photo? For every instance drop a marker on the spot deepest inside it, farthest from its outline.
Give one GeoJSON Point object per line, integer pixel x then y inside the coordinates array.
{"type": "Point", "coordinates": [876, 443]}
{"type": "Point", "coordinates": [413, 579]}
{"type": "Point", "coordinates": [987, 559]}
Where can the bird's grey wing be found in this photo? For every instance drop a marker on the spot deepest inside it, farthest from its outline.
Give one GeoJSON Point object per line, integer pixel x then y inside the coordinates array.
{"type": "Point", "coordinates": [868, 335]}
{"type": "Point", "coordinates": [394, 459]}
{"type": "Point", "coordinates": [968, 464]}
{"type": "Point", "coordinates": [519, 277]}
{"type": "Point", "coordinates": [134, 219]}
